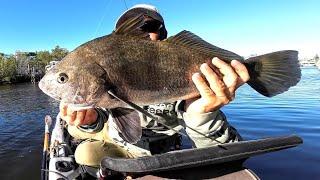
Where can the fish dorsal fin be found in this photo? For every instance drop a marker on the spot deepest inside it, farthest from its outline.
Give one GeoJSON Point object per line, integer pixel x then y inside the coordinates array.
{"type": "Point", "coordinates": [190, 40]}
{"type": "Point", "coordinates": [132, 27]}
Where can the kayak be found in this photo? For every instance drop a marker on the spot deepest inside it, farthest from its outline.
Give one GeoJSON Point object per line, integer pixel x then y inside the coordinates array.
{"type": "Point", "coordinates": [223, 161]}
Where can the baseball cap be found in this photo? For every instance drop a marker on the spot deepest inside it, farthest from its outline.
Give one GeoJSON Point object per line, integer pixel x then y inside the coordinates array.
{"type": "Point", "coordinates": [153, 21]}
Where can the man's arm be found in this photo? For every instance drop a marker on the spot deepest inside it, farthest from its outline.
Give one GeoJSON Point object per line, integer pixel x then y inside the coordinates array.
{"type": "Point", "coordinates": [203, 114]}
{"type": "Point", "coordinates": [77, 118]}
{"type": "Point", "coordinates": [89, 120]}
{"type": "Point", "coordinates": [213, 124]}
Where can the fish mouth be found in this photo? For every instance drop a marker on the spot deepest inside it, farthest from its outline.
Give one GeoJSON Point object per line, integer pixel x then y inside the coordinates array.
{"type": "Point", "coordinates": [78, 107]}
{"type": "Point", "coordinates": [44, 90]}
{"type": "Point", "coordinates": [55, 97]}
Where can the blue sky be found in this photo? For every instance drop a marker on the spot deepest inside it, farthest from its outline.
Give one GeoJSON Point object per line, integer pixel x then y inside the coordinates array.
{"type": "Point", "coordinates": [243, 26]}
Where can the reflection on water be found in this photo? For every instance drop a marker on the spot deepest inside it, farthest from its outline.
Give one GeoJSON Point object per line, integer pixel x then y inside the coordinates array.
{"type": "Point", "coordinates": [23, 107]}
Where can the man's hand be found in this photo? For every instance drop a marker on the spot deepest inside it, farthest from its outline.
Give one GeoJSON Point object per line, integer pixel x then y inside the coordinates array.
{"type": "Point", "coordinates": [217, 91]}
{"type": "Point", "coordinates": [77, 118]}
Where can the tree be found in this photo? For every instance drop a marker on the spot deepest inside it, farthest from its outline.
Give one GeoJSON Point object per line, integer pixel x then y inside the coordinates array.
{"type": "Point", "coordinates": [11, 66]}
{"type": "Point", "coordinates": [15, 67]}
{"type": "Point", "coordinates": [2, 61]}
{"type": "Point", "coordinates": [43, 57]}
{"type": "Point", "coordinates": [22, 61]}
{"type": "Point", "coordinates": [8, 68]}
{"type": "Point", "coordinates": [58, 53]}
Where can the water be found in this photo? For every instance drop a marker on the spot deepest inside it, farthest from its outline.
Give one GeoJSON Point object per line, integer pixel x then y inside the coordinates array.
{"type": "Point", "coordinates": [294, 112]}
{"type": "Point", "coordinates": [22, 111]}
{"type": "Point", "coordinates": [23, 107]}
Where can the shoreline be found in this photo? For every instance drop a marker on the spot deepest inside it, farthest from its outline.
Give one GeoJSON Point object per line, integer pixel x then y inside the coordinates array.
{"type": "Point", "coordinates": [19, 80]}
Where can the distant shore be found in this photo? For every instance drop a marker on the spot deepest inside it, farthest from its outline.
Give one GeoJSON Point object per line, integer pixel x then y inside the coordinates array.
{"type": "Point", "coordinates": [19, 79]}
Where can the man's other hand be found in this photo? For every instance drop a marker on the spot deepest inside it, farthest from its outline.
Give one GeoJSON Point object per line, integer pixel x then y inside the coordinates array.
{"type": "Point", "coordinates": [216, 90]}
{"type": "Point", "coordinates": [78, 118]}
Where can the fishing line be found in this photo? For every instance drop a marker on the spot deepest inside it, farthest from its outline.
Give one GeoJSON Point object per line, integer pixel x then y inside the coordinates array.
{"type": "Point", "coordinates": [102, 18]}
{"type": "Point", "coordinates": [125, 3]}
{"type": "Point", "coordinates": [143, 111]}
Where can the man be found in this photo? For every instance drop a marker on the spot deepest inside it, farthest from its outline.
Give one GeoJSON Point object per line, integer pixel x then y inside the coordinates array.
{"type": "Point", "coordinates": [202, 114]}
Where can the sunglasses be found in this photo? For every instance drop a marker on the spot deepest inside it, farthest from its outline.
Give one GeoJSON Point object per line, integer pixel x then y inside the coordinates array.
{"type": "Point", "coordinates": [151, 26]}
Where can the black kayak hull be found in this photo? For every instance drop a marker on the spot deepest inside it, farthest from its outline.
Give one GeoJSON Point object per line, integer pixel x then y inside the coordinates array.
{"type": "Point", "coordinates": [190, 158]}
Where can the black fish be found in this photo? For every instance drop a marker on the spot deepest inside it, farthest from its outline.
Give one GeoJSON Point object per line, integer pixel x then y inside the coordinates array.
{"type": "Point", "coordinates": [149, 72]}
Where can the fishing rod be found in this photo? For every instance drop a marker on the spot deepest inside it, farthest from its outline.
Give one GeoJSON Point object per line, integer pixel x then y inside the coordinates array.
{"type": "Point", "coordinates": [45, 154]}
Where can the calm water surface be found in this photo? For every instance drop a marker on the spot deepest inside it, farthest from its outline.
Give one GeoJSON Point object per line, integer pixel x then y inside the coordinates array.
{"type": "Point", "coordinates": [23, 107]}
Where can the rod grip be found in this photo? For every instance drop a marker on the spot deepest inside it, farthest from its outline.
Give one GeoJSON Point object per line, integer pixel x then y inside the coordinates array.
{"type": "Point", "coordinates": [46, 142]}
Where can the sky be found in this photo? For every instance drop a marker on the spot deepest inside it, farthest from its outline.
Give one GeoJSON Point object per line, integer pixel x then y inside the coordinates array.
{"type": "Point", "coordinates": [245, 27]}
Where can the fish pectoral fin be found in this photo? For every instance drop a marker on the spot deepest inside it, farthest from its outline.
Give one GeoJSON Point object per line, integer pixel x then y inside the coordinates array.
{"type": "Point", "coordinates": [132, 26]}
{"type": "Point", "coordinates": [128, 123]}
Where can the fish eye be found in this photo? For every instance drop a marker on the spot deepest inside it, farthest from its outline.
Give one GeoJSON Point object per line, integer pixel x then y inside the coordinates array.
{"type": "Point", "coordinates": [62, 78]}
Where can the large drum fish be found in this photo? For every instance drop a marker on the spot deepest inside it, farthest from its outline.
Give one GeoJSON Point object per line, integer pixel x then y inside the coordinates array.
{"type": "Point", "coordinates": [150, 72]}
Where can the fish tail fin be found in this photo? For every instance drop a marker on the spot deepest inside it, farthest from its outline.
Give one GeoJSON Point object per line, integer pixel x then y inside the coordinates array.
{"type": "Point", "coordinates": [274, 73]}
